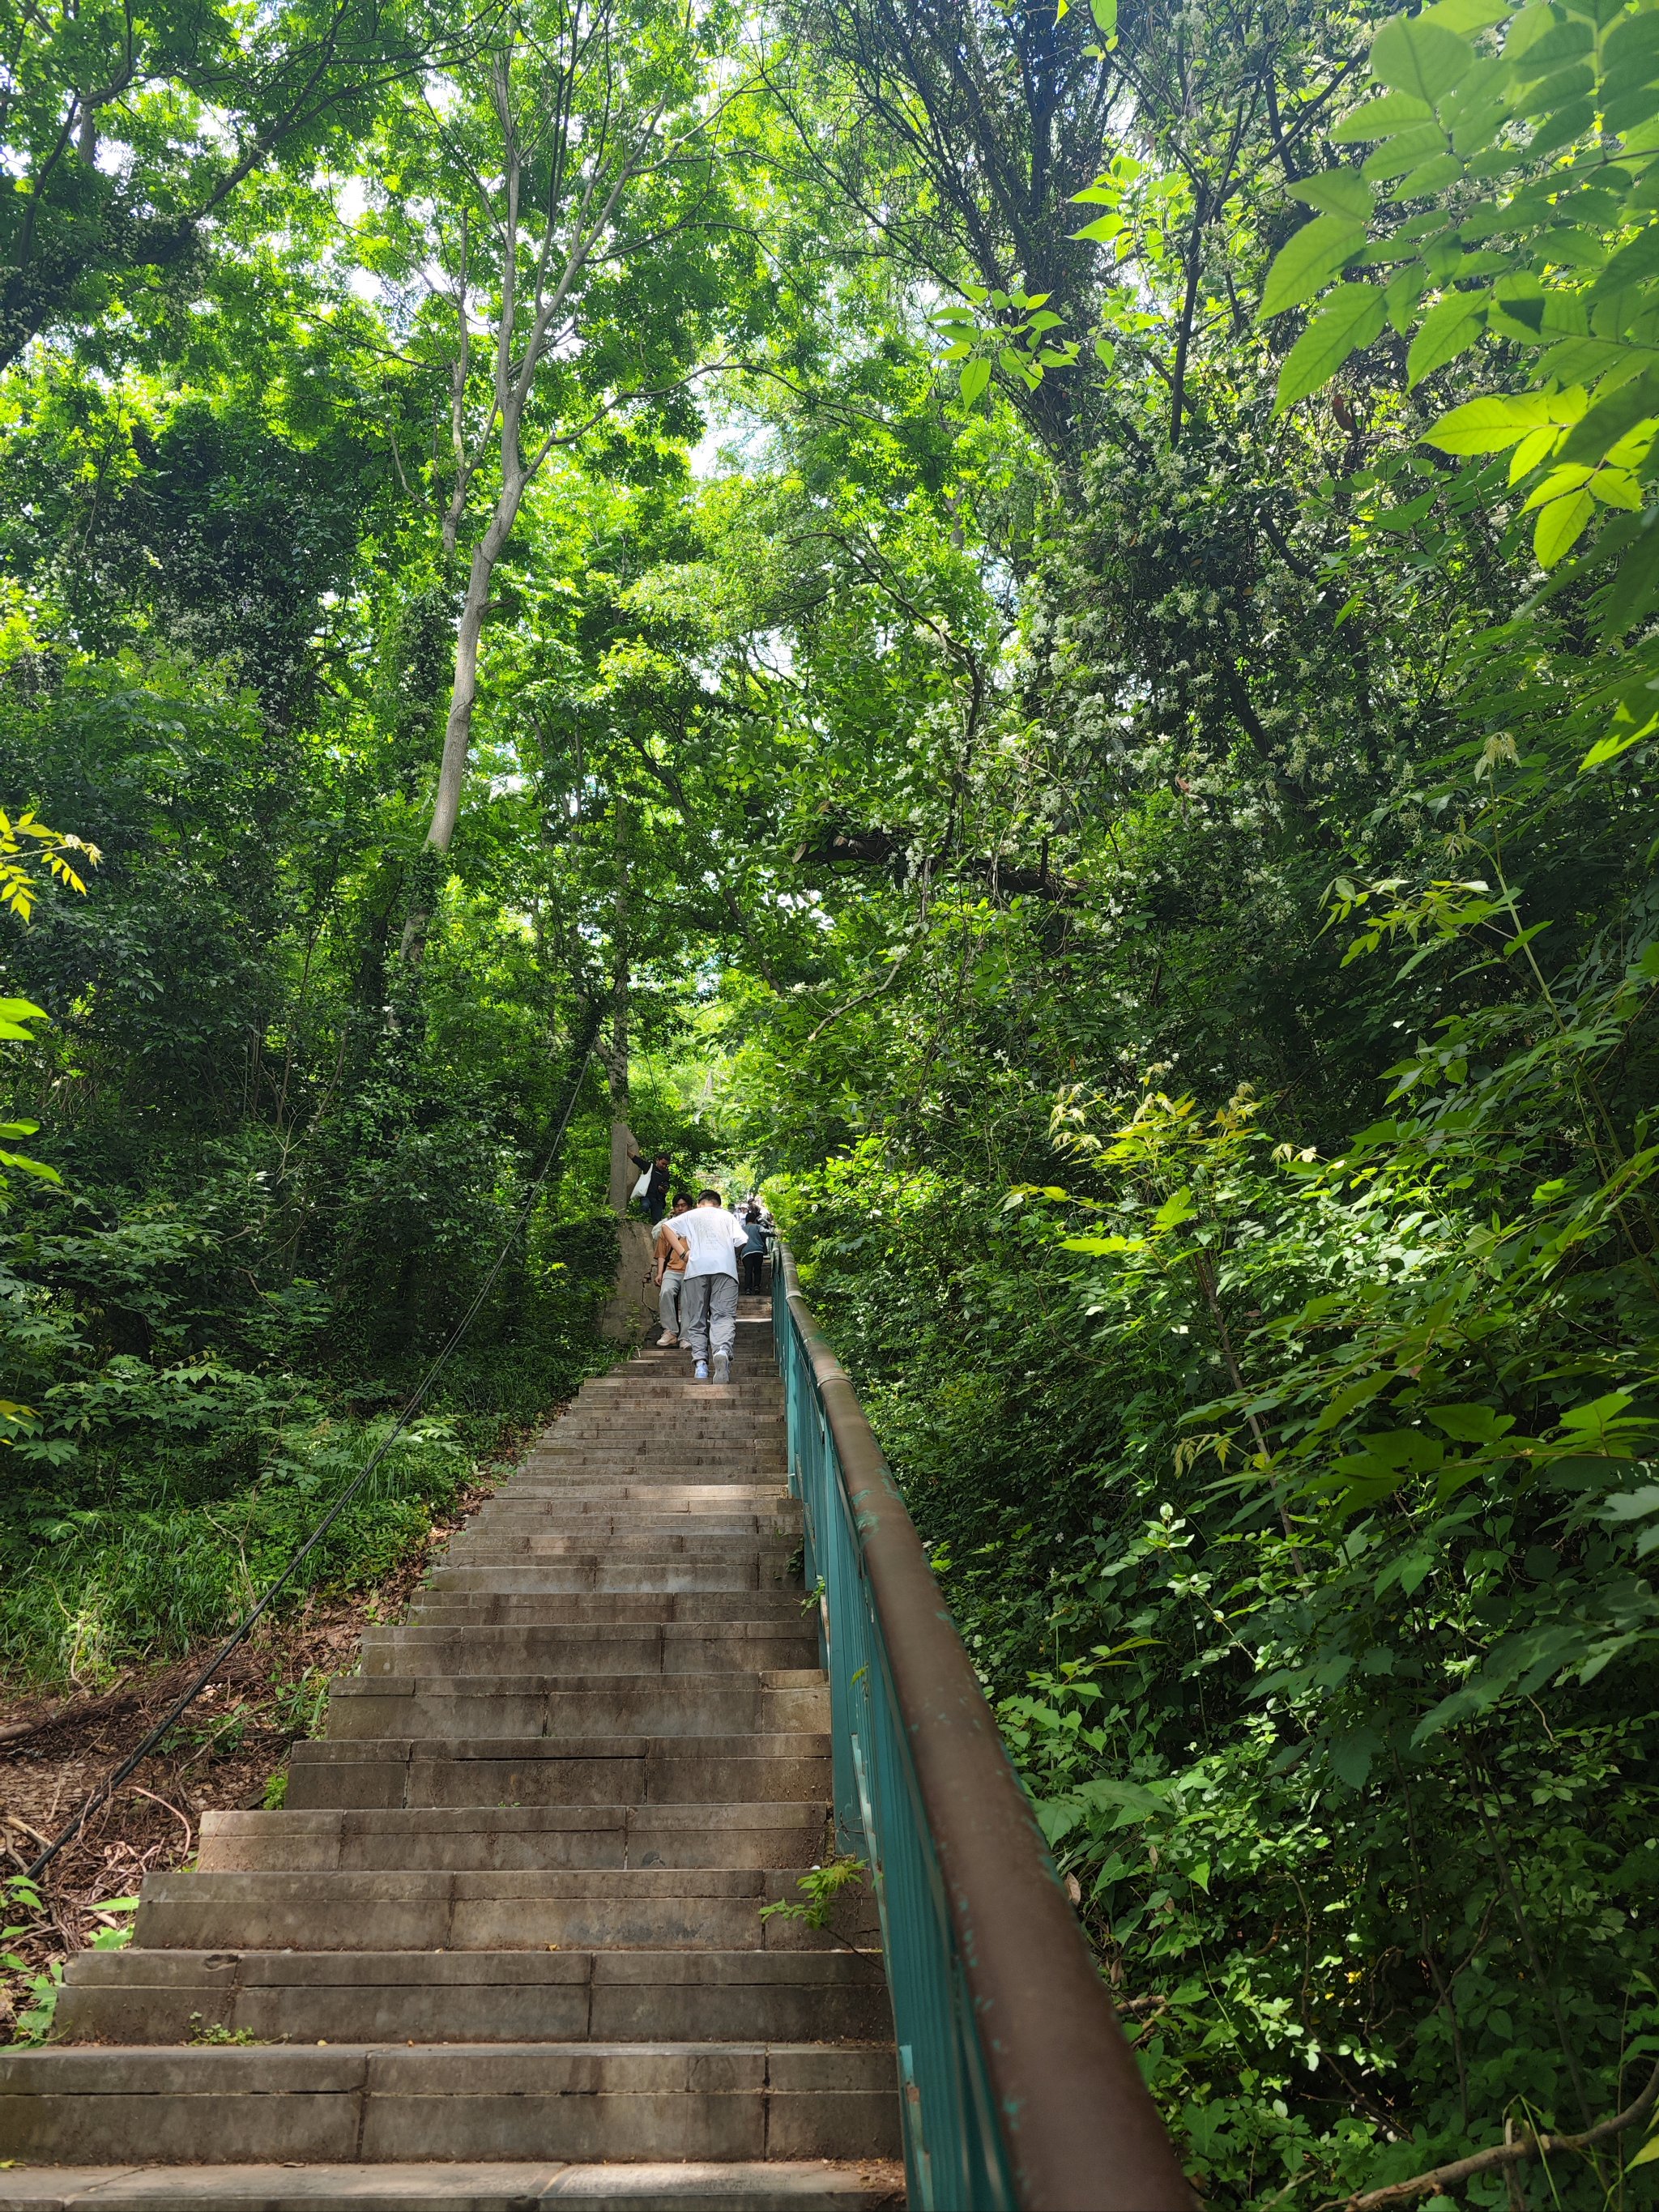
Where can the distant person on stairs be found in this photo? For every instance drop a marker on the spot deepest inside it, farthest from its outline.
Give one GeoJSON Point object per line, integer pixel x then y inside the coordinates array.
{"type": "Point", "coordinates": [669, 1252]}
{"type": "Point", "coordinates": [754, 1247]}
{"type": "Point", "coordinates": [709, 1303]}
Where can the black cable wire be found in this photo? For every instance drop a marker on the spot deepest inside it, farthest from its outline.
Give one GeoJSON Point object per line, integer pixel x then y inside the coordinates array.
{"type": "Point", "coordinates": [250, 1620]}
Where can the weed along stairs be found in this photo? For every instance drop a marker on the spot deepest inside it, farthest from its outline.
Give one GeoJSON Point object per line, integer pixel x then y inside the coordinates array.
{"type": "Point", "coordinates": [504, 1945]}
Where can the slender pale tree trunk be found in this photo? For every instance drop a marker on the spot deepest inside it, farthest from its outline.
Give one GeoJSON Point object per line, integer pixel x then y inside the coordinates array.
{"type": "Point", "coordinates": [619, 970]}
{"type": "Point", "coordinates": [575, 207]}
{"type": "Point", "coordinates": [458, 728]}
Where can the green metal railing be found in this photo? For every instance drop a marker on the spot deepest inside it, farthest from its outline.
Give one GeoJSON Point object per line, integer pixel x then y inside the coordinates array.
{"type": "Point", "coordinates": [1018, 2087]}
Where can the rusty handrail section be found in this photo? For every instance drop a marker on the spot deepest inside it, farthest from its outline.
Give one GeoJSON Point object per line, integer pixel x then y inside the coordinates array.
{"type": "Point", "coordinates": [1019, 2088]}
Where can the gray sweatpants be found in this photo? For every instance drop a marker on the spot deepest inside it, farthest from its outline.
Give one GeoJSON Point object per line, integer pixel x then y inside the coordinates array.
{"type": "Point", "coordinates": [668, 1303]}
{"type": "Point", "coordinates": [708, 1311]}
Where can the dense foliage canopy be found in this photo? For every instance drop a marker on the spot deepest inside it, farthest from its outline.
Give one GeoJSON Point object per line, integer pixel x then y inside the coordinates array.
{"type": "Point", "coordinates": [1055, 610]}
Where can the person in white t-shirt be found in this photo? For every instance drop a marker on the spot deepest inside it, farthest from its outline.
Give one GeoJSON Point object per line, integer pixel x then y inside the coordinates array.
{"type": "Point", "coordinates": [708, 1301]}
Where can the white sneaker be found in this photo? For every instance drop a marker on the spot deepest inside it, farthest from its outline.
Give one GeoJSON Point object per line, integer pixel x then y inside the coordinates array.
{"type": "Point", "coordinates": [722, 1368]}
{"type": "Point", "coordinates": [703, 1370]}
{"type": "Point", "coordinates": [665, 1340]}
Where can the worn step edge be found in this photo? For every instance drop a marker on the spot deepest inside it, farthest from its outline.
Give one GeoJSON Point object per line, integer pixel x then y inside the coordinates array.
{"type": "Point", "coordinates": [808, 2185]}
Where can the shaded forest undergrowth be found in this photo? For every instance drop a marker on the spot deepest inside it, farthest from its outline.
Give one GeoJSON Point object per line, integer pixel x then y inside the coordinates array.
{"type": "Point", "coordinates": [228, 1752]}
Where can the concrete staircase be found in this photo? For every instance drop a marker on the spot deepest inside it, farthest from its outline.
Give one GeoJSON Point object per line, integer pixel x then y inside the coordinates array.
{"type": "Point", "coordinates": [503, 1946]}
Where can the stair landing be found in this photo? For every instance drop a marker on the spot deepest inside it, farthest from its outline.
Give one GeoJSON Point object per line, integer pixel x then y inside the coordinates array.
{"type": "Point", "coordinates": [503, 1947]}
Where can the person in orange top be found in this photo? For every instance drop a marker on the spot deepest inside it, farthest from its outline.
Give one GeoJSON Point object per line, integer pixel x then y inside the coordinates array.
{"type": "Point", "coordinates": [669, 1253]}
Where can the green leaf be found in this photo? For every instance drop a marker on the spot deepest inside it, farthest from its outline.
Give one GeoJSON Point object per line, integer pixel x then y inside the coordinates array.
{"type": "Point", "coordinates": [1103, 229]}
{"type": "Point", "coordinates": [1598, 1417]}
{"type": "Point", "coordinates": [1175, 1209]}
{"type": "Point", "coordinates": [1635, 587]}
{"type": "Point", "coordinates": [1630, 53]}
{"type": "Point", "coordinates": [1350, 1757]}
{"type": "Point", "coordinates": [1560, 525]}
{"type": "Point", "coordinates": [1487, 426]}
{"type": "Point", "coordinates": [1129, 1795]}
{"type": "Point", "coordinates": [1351, 1395]}
{"type": "Point", "coordinates": [1634, 264]}
{"type": "Point", "coordinates": [1564, 42]}
{"type": "Point", "coordinates": [1466, 15]}
{"type": "Point", "coordinates": [1629, 109]}
{"type": "Point", "coordinates": [1471, 1424]}
{"type": "Point", "coordinates": [1350, 318]}
{"type": "Point", "coordinates": [1561, 129]}
{"type": "Point", "coordinates": [1429, 179]}
{"type": "Point", "coordinates": [1421, 57]}
{"type": "Point", "coordinates": [1105, 15]}
{"type": "Point", "coordinates": [1572, 247]}
{"type": "Point", "coordinates": [1402, 293]}
{"type": "Point", "coordinates": [1337, 192]}
{"type": "Point", "coordinates": [1451, 327]}
{"type": "Point", "coordinates": [1536, 22]}
{"type": "Point", "coordinates": [1381, 118]}
{"type": "Point", "coordinates": [1557, 90]}
{"type": "Point", "coordinates": [1609, 749]}
{"type": "Point", "coordinates": [1304, 265]}
{"type": "Point", "coordinates": [1409, 150]}
{"type": "Point", "coordinates": [976, 375]}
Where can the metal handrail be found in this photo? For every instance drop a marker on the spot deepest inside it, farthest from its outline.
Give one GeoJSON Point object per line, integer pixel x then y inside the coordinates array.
{"type": "Point", "coordinates": [1018, 2087]}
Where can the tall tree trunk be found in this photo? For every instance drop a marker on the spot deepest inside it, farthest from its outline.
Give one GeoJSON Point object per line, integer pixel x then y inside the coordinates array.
{"type": "Point", "coordinates": [619, 971]}
{"type": "Point", "coordinates": [463, 692]}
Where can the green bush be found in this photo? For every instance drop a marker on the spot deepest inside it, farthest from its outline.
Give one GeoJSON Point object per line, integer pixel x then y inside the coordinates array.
{"type": "Point", "coordinates": [150, 1505]}
{"type": "Point", "coordinates": [1359, 1800]}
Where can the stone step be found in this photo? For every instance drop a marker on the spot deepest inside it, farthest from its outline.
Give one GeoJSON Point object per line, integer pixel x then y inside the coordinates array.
{"type": "Point", "coordinates": [651, 1503]}
{"type": "Point", "coordinates": [608, 1463]}
{"type": "Point", "coordinates": [671, 1372]}
{"type": "Point", "coordinates": [719, 1490]}
{"type": "Point", "coordinates": [610, 1647]}
{"type": "Point", "coordinates": [580, 1705]}
{"type": "Point", "coordinates": [671, 1434]}
{"type": "Point", "coordinates": [373, 2102]}
{"type": "Point", "coordinates": [600, 1523]}
{"type": "Point", "coordinates": [761, 1540]}
{"type": "Point", "coordinates": [566, 1996]}
{"type": "Point", "coordinates": [668, 1408]}
{"type": "Point", "coordinates": [560, 1770]}
{"type": "Point", "coordinates": [662, 1437]}
{"type": "Point", "coordinates": [749, 1569]}
{"type": "Point", "coordinates": [635, 1909]}
{"type": "Point", "coordinates": [594, 1467]}
{"type": "Point", "coordinates": [649, 1555]}
{"type": "Point", "coordinates": [578, 1609]}
{"type": "Point", "coordinates": [671, 1406]}
{"type": "Point", "coordinates": [672, 1382]}
{"type": "Point", "coordinates": [623, 1479]}
{"type": "Point", "coordinates": [476, 1839]}
{"type": "Point", "coordinates": [868, 2184]}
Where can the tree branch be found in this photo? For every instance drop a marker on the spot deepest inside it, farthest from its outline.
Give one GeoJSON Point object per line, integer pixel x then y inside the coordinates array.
{"type": "Point", "coordinates": [1522, 2147]}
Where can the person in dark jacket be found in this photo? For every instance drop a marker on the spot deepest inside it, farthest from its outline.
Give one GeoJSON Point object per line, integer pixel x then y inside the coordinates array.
{"type": "Point", "coordinates": [656, 1194]}
{"type": "Point", "coordinates": [753, 1255]}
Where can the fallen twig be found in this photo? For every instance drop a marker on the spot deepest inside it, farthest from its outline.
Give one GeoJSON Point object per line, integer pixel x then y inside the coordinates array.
{"type": "Point", "coordinates": [138, 1791]}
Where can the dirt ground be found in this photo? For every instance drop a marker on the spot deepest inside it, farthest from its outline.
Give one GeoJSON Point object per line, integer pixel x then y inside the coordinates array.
{"type": "Point", "coordinates": [227, 1751]}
